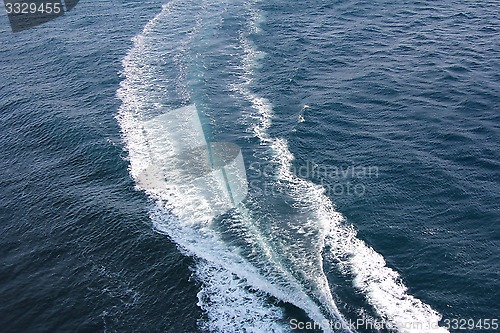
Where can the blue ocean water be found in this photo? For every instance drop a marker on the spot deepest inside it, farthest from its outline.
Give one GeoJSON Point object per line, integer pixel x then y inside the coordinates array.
{"type": "Point", "coordinates": [370, 135]}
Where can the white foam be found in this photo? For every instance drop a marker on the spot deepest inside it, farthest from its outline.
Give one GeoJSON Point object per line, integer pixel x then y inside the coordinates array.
{"type": "Point", "coordinates": [226, 275]}
{"type": "Point", "coordinates": [382, 286]}
{"type": "Point", "coordinates": [232, 305]}
{"type": "Point", "coordinates": [142, 92]}
{"type": "Point", "coordinates": [310, 263]}
{"type": "Point", "coordinates": [205, 243]}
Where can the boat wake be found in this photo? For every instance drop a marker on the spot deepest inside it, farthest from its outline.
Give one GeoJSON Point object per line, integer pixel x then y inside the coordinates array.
{"type": "Point", "coordinates": [257, 248]}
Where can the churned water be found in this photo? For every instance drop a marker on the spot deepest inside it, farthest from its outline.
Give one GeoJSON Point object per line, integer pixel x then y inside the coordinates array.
{"type": "Point", "coordinates": [370, 138]}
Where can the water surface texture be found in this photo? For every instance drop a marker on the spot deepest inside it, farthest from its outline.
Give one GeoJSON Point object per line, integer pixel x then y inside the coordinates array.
{"type": "Point", "coordinates": [370, 137]}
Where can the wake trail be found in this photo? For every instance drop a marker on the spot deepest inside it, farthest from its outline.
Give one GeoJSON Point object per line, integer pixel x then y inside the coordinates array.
{"type": "Point", "coordinates": [238, 274]}
{"type": "Point", "coordinates": [148, 93]}
{"type": "Point", "coordinates": [381, 285]}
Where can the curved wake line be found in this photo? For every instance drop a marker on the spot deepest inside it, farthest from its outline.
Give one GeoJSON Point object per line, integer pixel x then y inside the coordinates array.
{"type": "Point", "coordinates": [382, 286]}
{"type": "Point", "coordinates": [264, 109]}
{"type": "Point", "coordinates": [222, 268]}
{"type": "Point", "coordinates": [141, 93]}
{"type": "Point", "coordinates": [224, 295]}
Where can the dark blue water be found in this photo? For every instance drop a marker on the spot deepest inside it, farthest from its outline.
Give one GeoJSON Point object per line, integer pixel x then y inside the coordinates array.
{"type": "Point", "coordinates": [370, 133]}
